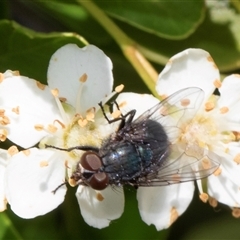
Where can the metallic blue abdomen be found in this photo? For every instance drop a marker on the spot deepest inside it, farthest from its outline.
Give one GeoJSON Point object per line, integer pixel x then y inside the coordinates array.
{"type": "Point", "coordinates": [135, 154]}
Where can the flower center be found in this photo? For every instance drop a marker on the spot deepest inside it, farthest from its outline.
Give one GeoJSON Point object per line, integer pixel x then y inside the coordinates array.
{"type": "Point", "coordinates": [200, 132]}
{"type": "Point", "coordinates": [203, 132]}
{"type": "Point", "coordinates": [76, 135]}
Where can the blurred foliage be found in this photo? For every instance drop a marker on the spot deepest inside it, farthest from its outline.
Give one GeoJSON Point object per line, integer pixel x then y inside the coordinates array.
{"type": "Point", "coordinates": [32, 30]}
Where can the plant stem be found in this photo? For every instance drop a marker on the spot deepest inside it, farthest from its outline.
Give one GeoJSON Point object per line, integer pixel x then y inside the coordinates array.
{"type": "Point", "coordinates": [128, 46]}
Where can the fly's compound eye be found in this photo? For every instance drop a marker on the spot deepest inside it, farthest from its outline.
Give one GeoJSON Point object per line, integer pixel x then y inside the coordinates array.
{"type": "Point", "coordinates": [91, 161]}
{"type": "Point", "coordinates": [99, 181]}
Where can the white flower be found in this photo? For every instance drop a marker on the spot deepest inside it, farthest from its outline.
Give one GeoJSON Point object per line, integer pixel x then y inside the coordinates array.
{"type": "Point", "coordinates": [3, 164]}
{"type": "Point", "coordinates": [32, 112]}
{"type": "Point", "coordinates": [213, 131]}
{"type": "Point", "coordinates": [82, 78]}
{"type": "Point", "coordinates": [216, 125]}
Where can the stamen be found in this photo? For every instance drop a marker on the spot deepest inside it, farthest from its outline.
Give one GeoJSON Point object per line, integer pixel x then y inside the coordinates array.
{"type": "Point", "coordinates": [72, 182]}
{"type": "Point", "coordinates": [210, 59]}
{"type": "Point", "coordinates": [26, 152]}
{"type": "Point", "coordinates": [62, 99]}
{"type": "Point", "coordinates": [213, 202]}
{"type": "Point", "coordinates": [3, 135]}
{"type": "Point", "coordinates": [99, 197]}
{"type": "Point", "coordinates": [2, 112]}
{"type": "Point", "coordinates": [1, 77]}
{"type": "Point", "coordinates": [4, 120]}
{"type": "Point", "coordinates": [15, 73]}
{"type": "Point", "coordinates": [83, 78]}
{"type": "Point", "coordinates": [122, 104]}
{"type": "Point", "coordinates": [224, 110]}
{"type": "Point", "coordinates": [119, 88]}
{"type": "Point", "coordinates": [55, 92]}
{"type": "Point", "coordinates": [185, 102]}
{"type": "Point", "coordinates": [217, 172]}
{"type": "Point", "coordinates": [39, 127]}
{"type": "Point", "coordinates": [40, 85]}
{"type": "Point", "coordinates": [90, 114]}
{"type": "Point", "coordinates": [16, 110]}
{"type": "Point", "coordinates": [12, 150]}
{"type": "Point", "coordinates": [65, 118]}
{"type": "Point", "coordinates": [78, 99]}
{"type": "Point", "coordinates": [60, 123]}
{"type": "Point", "coordinates": [51, 128]}
{"type": "Point", "coordinates": [82, 122]}
{"type": "Point", "coordinates": [163, 111]}
{"type": "Point", "coordinates": [66, 164]}
{"type": "Point", "coordinates": [43, 163]}
{"type": "Point", "coordinates": [107, 98]}
{"type": "Point", "coordinates": [237, 135]}
{"type": "Point", "coordinates": [217, 83]}
{"type": "Point", "coordinates": [236, 212]}
{"type": "Point", "coordinates": [116, 114]}
{"type": "Point", "coordinates": [163, 96]}
{"type": "Point", "coordinates": [206, 164]}
{"type": "Point", "coordinates": [173, 215]}
{"type": "Point", "coordinates": [236, 159]}
{"type": "Point", "coordinates": [204, 197]}
{"type": "Point", "coordinates": [4, 205]}
{"type": "Point", "coordinates": [209, 106]}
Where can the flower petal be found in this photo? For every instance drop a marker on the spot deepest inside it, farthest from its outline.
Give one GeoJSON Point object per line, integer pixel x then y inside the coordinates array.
{"type": "Point", "coordinates": [161, 206]}
{"type": "Point", "coordinates": [224, 184]}
{"type": "Point", "coordinates": [190, 68]}
{"type": "Point", "coordinates": [98, 208]}
{"type": "Point", "coordinates": [82, 75]}
{"type": "Point", "coordinates": [230, 98]}
{"type": "Point", "coordinates": [139, 102]}
{"type": "Point", "coordinates": [3, 164]}
{"type": "Point", "coordinates": [29, 108]}
{"type": "Point", "coordinates": [32, 176]}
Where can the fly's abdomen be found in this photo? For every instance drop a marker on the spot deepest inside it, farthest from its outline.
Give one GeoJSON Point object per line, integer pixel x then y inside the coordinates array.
{"type": "Point", "coordinates": [124, 161]}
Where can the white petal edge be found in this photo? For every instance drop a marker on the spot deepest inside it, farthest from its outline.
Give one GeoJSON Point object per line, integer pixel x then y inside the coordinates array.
{"type": "Point", "coordinates": [230, 98]}
{"type": "Point", "coordinates": [224, 187]}
{"type": "Point", "coordinates": [31, 178]}
{"type": "Point", "coordinates": [67, 66]}
{"type": "Point", "coordinates": [189, 68]}
{"type": "Point", "coordinates": [98, 208]}
{"type": "Point", "coordinates": [3, 164]}
{"type": "Point", "coordinates": [27, 104]}
{"type": "Point", "coordinates": [161, 206]}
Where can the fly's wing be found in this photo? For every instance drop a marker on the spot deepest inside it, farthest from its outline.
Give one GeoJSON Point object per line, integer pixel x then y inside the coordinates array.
{"type": "Point", "coordinates": [181, 169]}
{"type": "Point", "coordinates": [180, 166]}
{"type": "Point", "coordinates": [180, 106]}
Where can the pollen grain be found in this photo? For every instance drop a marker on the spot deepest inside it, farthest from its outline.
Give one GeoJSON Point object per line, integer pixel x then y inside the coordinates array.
{"type": "Point", "coordinates": [185, 102]}
{"type": "Point", "coordinates": [83, 78]}
{"type": "Point", "coordinates": [40, 85]}
{"type": "Point", "coordinates": [173, 215]}
{"type": "Point", "coordinates": [119, 88]}
{"type": "Point", "coordinates": [99, 197]}
{"type": "Point", "coordinates": [12, 150]}
{"type": "Point", "coordinates": [204, 197]}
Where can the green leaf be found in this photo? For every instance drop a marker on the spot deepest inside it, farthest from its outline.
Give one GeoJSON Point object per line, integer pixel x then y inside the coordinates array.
{"type": "Point", "coordinates": [29, 52]}
{"type": "Point", "coordinates": [167, 19]}
{"type": "Point", "coordinates": [219, 36]}
{"type": "Point", "coordinates": [7, 230]}
{"type": "Point", "coordinates": [70, 16]}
